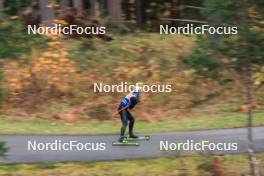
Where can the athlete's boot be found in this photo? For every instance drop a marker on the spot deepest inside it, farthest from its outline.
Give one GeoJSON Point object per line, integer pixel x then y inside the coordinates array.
{"type": "Point", "coordinates": [132, 136]}
{"type": "Point", "coordinates": [121, 139]}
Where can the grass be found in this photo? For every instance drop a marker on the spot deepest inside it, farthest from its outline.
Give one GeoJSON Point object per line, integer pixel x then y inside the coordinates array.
{"type": "Point", "coordinates": [202, 122]}
{"type": "Point", "coordinates": [228, 165]}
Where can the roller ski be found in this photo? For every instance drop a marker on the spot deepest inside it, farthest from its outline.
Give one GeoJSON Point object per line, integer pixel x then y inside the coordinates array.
{"type": "Point", "coordinates": [123, 142]}
{"type": "Point", "coordinates": [137, 138]}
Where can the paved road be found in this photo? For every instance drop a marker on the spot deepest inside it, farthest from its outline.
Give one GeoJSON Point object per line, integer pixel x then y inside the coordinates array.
{"type": "Point", "coordinates": [19, 146]}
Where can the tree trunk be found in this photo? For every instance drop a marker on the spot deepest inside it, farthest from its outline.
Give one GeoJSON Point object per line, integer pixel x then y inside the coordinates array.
{"type": "Point", "coordinates": [1, 5]}
{"type": "Point", "coordinates": [214, 21]}
{"type": "Point", "coordinates": [65, 3]}
{"type": "Point", "coordinates": [94, 9]}
{"type": "Point", "coordinates": [114, 10]}
{"type": "Point", "coordinates": [139, 14]}
{"type": "Point", "coordinates": [251, 149]}
{"type": "Point", "coordinates": [127, 10]}
{"type": "Point", "coordinates": [103, 7]}
{"type": "Point", "coordinates": [78, 4]}
{"type": "Point", "coordinates": [248, 85]}
{"type": "Point", "coordinates": [46, 13]}
{"type": "Point", "coordinates": [176, 12]}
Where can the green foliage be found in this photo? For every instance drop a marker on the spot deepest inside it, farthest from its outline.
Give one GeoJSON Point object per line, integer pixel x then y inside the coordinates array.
{"type": "Point", "coordinates": [12, 167]}
{"type": "Point", "coordinates": [200, 61]}
{"type": "Point", "coordinates": [255, 43]}
{"type": "Point", "coordinates": [259, 5]}
{"type": "Point", "coordinates": [3, 149]}
{"type": "Point", "coordinates": [15, 41]}
{"type": "Point", "coordinates": [45, 166]}
{"type": "Point", "coordinates": [120, 29]}
{"type": "Point", "coordinates": [13, 7]}
{"type": "Point", "coordinates": [234, 51]}
{"type": "Point", "coordinates": [229, 11]}
{"type": "Point", "coordinates": [249, 41]}
{"type": "Point", "coordinates": [8, 46]}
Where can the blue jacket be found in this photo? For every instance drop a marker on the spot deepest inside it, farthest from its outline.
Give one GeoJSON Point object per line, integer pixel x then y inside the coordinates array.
{"type": "Point", "coordinates": [130, 100]}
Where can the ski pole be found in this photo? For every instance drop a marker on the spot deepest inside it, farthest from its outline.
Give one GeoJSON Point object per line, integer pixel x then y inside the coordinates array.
{"type": "Point", "coordinates": [121, 110]}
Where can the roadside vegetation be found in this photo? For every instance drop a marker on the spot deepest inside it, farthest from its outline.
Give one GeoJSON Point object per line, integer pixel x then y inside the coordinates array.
{"type": "Point", "coordinates": [227, 165]}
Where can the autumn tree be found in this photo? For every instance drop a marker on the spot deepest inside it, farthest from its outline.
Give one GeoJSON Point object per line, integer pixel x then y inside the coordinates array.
{"type": "Point", "coordinates": [49, 74]}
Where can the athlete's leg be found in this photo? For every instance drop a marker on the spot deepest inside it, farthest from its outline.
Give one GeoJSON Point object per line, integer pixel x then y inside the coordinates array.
{"type": "Point", "coordinates": [131, 125]}
{"type": "Point", "coordinates": [124, 120]}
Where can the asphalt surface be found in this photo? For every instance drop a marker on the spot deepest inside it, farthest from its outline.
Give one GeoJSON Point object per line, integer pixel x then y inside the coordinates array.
{"type": "Point", "coordinates": [21, 147]}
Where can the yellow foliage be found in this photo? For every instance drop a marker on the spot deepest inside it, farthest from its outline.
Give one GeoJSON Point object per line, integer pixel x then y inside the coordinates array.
{"type": "Point", "coordinates": [13, 17]}
{"type": "Point", "coordinates": [51, 70]}
{"type": "Point", "coordinates": [258, 77]}
{"type": "Point", "coordinates": [62, 22]}
{"type": "Point", "coordinates": [253, 13]}
{"type": "Point", "coordinates": [166, 13]}
{"type": "Point", "coordinates": [53, 36]}
{"type": "Point", "coordinates": [14, 76]}
{"type": "Point", "coordinates": [53, 5]}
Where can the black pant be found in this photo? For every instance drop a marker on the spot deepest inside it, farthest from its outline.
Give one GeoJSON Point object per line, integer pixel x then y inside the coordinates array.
{"type": "Point", "coordinates": [126, 119]}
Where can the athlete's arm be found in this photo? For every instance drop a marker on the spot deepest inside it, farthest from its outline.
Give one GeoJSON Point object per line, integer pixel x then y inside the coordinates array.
{"type": "Point", "coordinates": [123, 108]}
